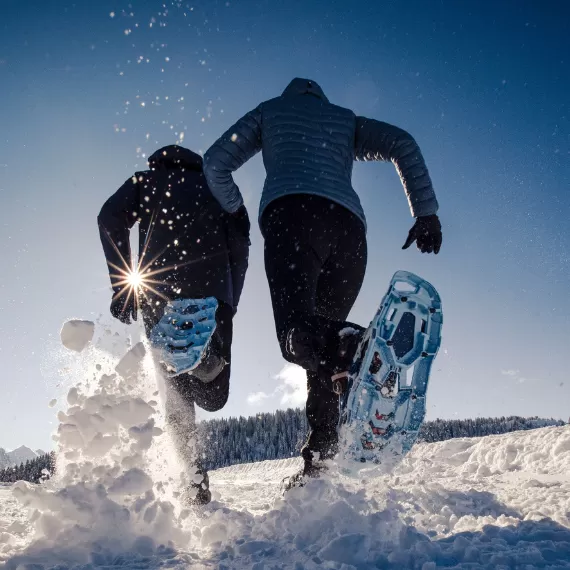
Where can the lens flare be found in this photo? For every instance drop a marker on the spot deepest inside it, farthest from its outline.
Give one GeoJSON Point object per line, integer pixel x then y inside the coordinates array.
{"type": "Point", "coordinates": [135, 279]}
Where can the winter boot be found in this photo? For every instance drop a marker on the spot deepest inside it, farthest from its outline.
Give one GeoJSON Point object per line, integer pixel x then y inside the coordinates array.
{"type": "Point", "coordinates": [342, 356]}
{"type": "Point", "coordinates": [312, 470]}
{"type": "Point", "coordinates": [314, 342]}
{"type": "Point", "coordinates": [315, 465]}
{"type": "Point", "coordinates": [212, 362]}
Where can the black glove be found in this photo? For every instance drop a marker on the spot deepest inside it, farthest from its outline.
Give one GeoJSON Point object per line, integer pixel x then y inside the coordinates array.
{"type": "Point", "coordinates": [124, 310]}
{"type": "Point", "coordinates": [427, 233]}
{"type": "Point", "coordinates": [240, 222]}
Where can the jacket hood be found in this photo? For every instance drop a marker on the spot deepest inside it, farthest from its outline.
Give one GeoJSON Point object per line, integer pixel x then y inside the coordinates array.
{"type": "Point", "coordinates": [301, 86]}
{"type": "Point", "coordinates": [174, 156]}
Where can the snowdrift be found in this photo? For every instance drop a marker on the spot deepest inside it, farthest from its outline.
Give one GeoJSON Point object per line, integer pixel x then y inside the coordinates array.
{"type": "Point", "coordinates": [493, 502]}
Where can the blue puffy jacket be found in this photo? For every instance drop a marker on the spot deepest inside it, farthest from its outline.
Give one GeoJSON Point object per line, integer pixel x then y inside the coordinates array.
{"type": "Point", "coordinates": [309, 146]}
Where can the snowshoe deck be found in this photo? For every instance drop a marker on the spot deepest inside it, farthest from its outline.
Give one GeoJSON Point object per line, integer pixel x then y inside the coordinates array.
{"type": "Point", "coordinates": [183, 333]}
{"type": "Point", "coordinates": [384, 404]}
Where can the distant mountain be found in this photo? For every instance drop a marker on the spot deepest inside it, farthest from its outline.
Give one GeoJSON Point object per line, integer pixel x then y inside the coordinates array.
{"type": "Point", "coordinates": [21, 455]}
{"type": "Point", "coordinates": [17, 456]}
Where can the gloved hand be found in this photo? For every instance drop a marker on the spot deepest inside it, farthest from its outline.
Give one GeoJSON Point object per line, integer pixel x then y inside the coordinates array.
{"type": "Point", "coordinates": [124, 311]}
{"type": "Point", "coordinates": [427, 233]}
{"type": "Point", "coordinates": [240, 221]}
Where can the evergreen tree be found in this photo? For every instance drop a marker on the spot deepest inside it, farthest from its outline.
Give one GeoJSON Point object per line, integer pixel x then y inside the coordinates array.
{"type": "Point", "coordinates": [33, 471]}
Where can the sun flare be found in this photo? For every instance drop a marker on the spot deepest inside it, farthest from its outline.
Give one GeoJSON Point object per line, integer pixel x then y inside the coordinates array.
{"type": "Point", "coordinates": [135, 279]}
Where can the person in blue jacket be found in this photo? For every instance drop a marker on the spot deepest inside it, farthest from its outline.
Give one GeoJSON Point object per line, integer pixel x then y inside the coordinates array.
{"type": "Point", "coordinates": [193, 257]}
{"type": "Point", "coordinates": [314, 228]}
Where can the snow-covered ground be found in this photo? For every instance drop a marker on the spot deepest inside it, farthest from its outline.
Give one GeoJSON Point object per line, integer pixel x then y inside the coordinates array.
{"type": "Point", "coordinates": [495, 502]}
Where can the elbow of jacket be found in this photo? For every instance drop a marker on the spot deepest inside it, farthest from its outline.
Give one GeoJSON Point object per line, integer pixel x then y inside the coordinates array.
{"type": "Point", "coordinates": [208, 160]}
{"type": "Point", "coordinates": [216, 178]}
{"type": "Point", "coordinates": [210, 171]}
{"type": "Point", "coordinates": [406, 144]}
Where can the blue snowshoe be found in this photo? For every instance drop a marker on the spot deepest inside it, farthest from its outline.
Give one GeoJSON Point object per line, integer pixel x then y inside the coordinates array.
{"type": "Point", "coordinates": [383, 403]}
{"type": "Point", "coordinates": [183, 339]}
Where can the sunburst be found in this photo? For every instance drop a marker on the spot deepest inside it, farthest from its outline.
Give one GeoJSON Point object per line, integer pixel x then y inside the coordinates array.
{"type": "Point", "coordinates": [136, 280]}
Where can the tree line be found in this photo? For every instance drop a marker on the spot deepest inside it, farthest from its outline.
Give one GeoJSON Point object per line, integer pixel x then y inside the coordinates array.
{"type": "Point", "coordinates": [280, 434]}
{"type": "Point", "coordinates": [33, 470]}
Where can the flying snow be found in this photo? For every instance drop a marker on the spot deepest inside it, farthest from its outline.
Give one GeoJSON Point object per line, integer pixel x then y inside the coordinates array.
{"type": "Point", "coordinates": [76, 335]}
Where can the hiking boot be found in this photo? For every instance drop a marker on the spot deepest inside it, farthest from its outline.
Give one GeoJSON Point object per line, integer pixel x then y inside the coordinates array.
{"type": "Point", "coordinates": [311, 470]}
{"type": "Point", "coordinates": [315, 465]}
{"type": "Point", "coordinates": [348, 340]}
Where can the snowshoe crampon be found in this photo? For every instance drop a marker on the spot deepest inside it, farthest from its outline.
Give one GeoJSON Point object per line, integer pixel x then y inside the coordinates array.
{"type": "Point", "coordinates": [181, 337]}
{"type": "Point", "coordinates": [384, 405]}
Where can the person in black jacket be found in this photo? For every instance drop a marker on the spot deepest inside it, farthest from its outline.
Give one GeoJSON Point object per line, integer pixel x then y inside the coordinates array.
{"type": "Point", "coordinates": [189, 249]}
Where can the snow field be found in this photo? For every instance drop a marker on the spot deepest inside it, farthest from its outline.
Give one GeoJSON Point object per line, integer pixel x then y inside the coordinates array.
{"type": "Point", "coordinates": [499, 501]}
{"type": "Point", "coordinates": [495, 502]}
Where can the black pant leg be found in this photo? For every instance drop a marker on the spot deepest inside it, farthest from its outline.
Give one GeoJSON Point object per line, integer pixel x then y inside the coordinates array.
{"type": "Point", "coordinates": [315, 259]}
{"type": "Point", "coordinates": [322, 416]}
{"type": "Point", "coordinates": [343, 273]}
{"type": "Point", "coordinates": [338, 287]}
{"type": "Point", "coordinates": [294, 255]}
{"type": "Point", "coordinates": [212, 396]}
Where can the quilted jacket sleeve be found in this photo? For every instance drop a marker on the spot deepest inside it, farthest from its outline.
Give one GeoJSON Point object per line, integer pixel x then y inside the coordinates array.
{"type": "Point", "coordinates": [117, 216]}
{"type": "Point", "coordinates": [375, 140]}
{"type": "Point", "coordinates": [234, 148]}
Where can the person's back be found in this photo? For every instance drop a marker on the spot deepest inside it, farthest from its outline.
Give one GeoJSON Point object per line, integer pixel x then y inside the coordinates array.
{"type": "Point", "coordinates": [188, 246]}
{"type": "Point", "coordinates": [175, 207]}
{"type": "Point", "coordinates": [308, 146]}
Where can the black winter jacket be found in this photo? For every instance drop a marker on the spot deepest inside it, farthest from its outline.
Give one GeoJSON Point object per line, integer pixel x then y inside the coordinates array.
{"type": "Point", "coordinates": [188, 246]}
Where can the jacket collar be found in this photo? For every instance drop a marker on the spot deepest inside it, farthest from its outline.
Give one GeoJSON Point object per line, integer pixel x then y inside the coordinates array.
{"type": "Point", "coordinates": [301, 86]}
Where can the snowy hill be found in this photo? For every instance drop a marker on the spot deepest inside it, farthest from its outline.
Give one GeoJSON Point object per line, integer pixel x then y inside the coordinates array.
{"type": "Point", "coordinates": [493, 502]}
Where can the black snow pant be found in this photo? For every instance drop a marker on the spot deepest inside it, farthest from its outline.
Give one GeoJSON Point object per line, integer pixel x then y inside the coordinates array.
{"type": "Point", "coordinates": [185, 390]}
{"type": "Point", "coordinates": [315, 260]}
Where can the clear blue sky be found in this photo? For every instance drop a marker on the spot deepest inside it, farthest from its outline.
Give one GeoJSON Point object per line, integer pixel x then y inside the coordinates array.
{"type": "Point", "coordinates": [483, 86]}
